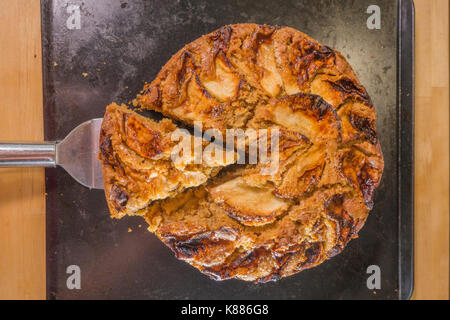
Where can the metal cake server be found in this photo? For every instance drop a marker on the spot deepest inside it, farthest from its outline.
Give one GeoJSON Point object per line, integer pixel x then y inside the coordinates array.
{"type": "Point", "coordinates": [77, 154]}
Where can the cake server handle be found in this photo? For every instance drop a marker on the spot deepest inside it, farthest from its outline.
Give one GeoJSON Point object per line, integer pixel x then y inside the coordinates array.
{"type": "Point", "coordinates": [14, 154]}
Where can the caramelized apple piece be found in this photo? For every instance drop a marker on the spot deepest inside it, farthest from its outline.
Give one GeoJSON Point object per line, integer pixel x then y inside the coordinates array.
{"type": "Point", "coordinates": [271, 79]}
{"type": "Point", "coordinates": [251, 205]}
{"type": "Point", "coordinates": [225, 84]}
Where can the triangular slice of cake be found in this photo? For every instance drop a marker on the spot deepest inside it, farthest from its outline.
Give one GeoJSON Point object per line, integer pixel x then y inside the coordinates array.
{"type": "Point", "coordinates": [141, 163]}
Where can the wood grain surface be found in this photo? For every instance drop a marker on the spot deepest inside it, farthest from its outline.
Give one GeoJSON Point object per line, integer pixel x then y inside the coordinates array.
{"type": "Point", "coordinates": [432, 150]}
{"type": "Point", "coordinates": [22, 199]}
{"type": "Point", "coordinates": [22, 202]}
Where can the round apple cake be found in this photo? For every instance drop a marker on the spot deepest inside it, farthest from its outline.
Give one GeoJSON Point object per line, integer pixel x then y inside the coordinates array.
{"type": "Point", "coordinates": [233, 219]}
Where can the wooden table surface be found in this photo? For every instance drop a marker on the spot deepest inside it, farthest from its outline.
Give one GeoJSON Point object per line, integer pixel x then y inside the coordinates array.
{"type": "Point", "coordinates": [22, 202]}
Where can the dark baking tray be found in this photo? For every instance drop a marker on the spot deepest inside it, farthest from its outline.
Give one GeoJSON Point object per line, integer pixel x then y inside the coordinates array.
{"type": "Point", "coordinates": [121, 44]}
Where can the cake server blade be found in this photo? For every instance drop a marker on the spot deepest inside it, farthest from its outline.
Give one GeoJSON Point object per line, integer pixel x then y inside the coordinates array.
{"type": "Point", "coordinates": [77, 153]}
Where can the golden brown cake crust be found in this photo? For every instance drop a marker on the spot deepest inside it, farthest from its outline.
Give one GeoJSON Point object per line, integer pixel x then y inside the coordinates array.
{"type": "Point", "coordinates": [241, 223]}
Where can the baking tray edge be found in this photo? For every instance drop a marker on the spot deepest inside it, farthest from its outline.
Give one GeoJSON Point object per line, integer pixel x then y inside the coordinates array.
{"type": "Point", "coordinates": [49, 133]}
{"type": "Point", "coordinates": [405, 103]}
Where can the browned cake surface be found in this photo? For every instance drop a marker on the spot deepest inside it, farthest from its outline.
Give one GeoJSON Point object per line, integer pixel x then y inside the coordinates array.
{"type": "Point", "coordinates": [240, 223]}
